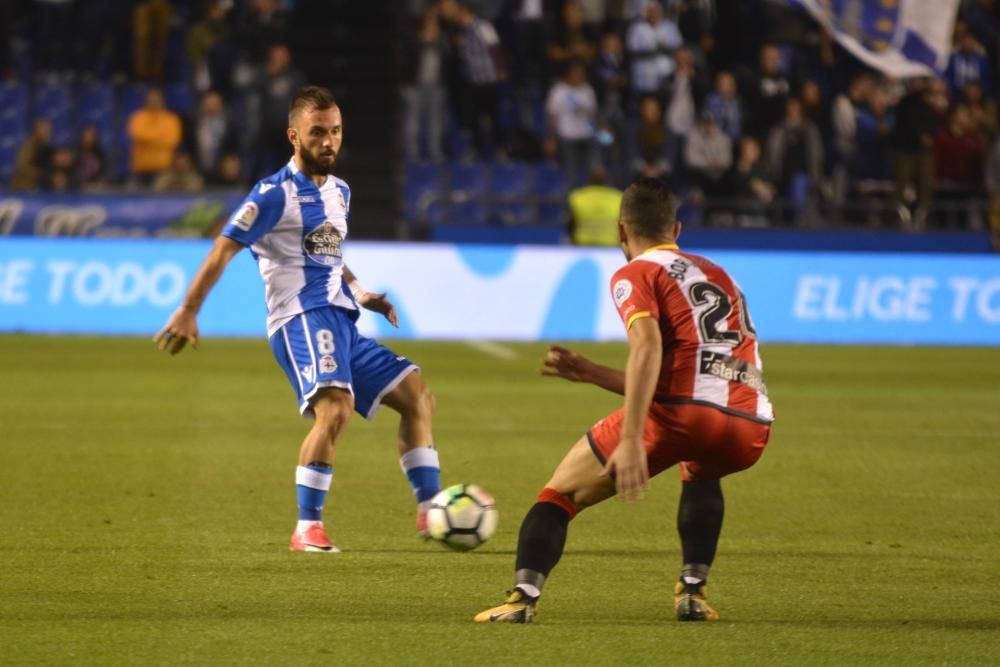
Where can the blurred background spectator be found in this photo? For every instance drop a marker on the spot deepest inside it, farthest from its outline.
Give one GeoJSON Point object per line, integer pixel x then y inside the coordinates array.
{"type": "Point", "coordinates": [213, 132]}
{"type": "Point", "coordinates": [708, 152]}
{"type": "Point", "coordinates": [482, 68]}
{"type": "Point", "coordinates": [723, 105]}
{"type": "Point", "coordinates": [280, 82]}
{"type": "Point", "coordinates": [91, 160]}
{"type": "Point", "coordinates": [571, 40]}
{"type": "Point", "coordinates": [770, 92]}
{"type": "Point", "coordinates": [155, 132]}
{"type": "Point", "coordinates": [795, 157]}
{"type": "Point", "coordinates": [62, 174]}
{"type": "Point", "coordinates": [650, 41]}
{"type": "Point", "coordinates": [573, 120]}
{"type": "Point", "coordinates": [182, 176]}
{"type": "Point", "coordinates": [210, 50]}
{"type": "Point", "coordinates": [913, 157]}
{"type": "Point", "coordinates": [594, 211]}
{"type": "Point", "coordinates": [424, 97]}
{"type": "Point", "coordinates": [751, 186]}
{"type": "Point", "coordinates": [228, 173]}
{"type": "Point", "coordinates": [650, 140]}
{"type": "Point", "coordinates": [151, 27]}
{"type": "Point", "coordinates": [34, 158]}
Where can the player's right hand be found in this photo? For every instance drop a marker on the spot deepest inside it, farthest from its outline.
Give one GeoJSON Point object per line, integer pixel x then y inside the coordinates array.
{"type": "Point", "coordinates": [565, 364]}
{"type": "Point", "coordinates": [631, 469]}
{"type": "Point", "coordinates": [181, 328]}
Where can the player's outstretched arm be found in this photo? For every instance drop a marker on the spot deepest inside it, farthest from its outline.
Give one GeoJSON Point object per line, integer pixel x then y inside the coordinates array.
{"type": "Point", "coordinates": [645, 354]}
{"type": "Point", "coordinates": [182, 327]}
{"type": "Point", "coordinates": [573, 366]}
{"type": "Point", "coordinates": [378, 303]}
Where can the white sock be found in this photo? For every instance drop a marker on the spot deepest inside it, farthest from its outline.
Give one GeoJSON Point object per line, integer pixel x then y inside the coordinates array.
{"type": "Point", "coordinates": [529, 590]}
{"type": "Point", "coordinates": [303, 525]}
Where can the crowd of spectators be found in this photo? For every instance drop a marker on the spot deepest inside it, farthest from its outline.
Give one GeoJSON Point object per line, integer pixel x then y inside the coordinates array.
{"type": "Point", "coordinates": [231, 58]}
{"type": "Point", "coordinates": [750, 108]}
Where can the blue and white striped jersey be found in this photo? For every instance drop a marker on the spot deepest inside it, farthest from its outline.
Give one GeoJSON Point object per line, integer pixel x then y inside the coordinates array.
{"type": "Point", "coordinates": [294, 230]}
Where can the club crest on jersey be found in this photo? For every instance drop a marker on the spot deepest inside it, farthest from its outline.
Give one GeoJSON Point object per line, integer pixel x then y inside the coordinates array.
{"type": "Point", "coordinates": [245, 217]}
{"type": "Point", "coordinates": [322, 245]}
{"type": "Point", "coordinates": [622, 291]}
{"type": "Point", "coordinates": [327, 364]}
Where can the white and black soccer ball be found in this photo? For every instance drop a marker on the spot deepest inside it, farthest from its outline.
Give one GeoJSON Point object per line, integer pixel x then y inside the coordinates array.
{"type": "Point", "coordinates": [462, 516]}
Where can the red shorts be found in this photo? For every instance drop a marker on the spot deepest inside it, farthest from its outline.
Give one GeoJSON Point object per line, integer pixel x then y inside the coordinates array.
{"type": "Point", "coordinates": [707, 442]}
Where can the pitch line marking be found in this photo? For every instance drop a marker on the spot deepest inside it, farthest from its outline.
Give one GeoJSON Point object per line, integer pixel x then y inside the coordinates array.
{"type": "Point", "coordinates": [493, 349]}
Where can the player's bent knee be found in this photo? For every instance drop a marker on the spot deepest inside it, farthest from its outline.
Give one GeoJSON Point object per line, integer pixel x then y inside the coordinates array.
{"type": "Point", "coordinates": [426, 402]}
{"type": "Point", "coordinates": [333, 408]}
{"type": "Point", "coordinates": [553, 497]}
{"type": "Point", "coordinates": [592, 495]}
{"type": "Point", "coordinates": [421, 399]}
{"type": "Point", "coordinates": [414, 397]}
{"type": "Point", "coordinates": [576, 499]}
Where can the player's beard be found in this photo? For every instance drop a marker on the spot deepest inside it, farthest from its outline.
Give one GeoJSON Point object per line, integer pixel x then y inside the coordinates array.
{"type": "Point", "coordinates": [314, 165]}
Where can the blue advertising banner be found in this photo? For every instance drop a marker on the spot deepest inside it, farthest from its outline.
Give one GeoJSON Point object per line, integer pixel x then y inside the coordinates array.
{"type": "Point", "coordinates": [505, 293]}
{"type": "Point", "coordinates": [114, 215]}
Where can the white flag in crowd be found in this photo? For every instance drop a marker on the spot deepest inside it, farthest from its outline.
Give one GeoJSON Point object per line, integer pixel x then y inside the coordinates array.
{"type": "Point", "coordinates": [902, 38]}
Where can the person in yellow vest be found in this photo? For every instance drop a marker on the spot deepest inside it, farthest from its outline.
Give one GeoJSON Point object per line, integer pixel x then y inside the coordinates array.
{"type": "Point", "coordinates": [594, 210]}
{"type": "Point", "coordinates": [155, 132]}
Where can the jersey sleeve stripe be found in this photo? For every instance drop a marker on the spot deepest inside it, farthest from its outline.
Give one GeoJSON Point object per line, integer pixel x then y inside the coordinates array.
{"type": "Point", "coordinates": [636, 316]}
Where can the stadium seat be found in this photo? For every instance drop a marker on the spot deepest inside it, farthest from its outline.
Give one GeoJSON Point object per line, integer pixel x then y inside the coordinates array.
{"type": "Point", "coordinates": [131, 98]}
{"type": "Point", "coordinates": [180, 98]}
{"type": "Point", "coordinates": [510, 180]}
{"type": "Point", "coordinates": [549, 182]}
{"type": "Point", "coordinates": [539, 118]}
{"type": "Point", "coordinates": [424, 176]}
{"type": "Point", "coordinates": [422, 187]}
{"type": "Point", "coordinates": [54, 103]}
{"type": "Point", "coordinates": [514, 213]}
{"type": "Point", "coordinates": [470, 212]}
{"type": "Point", "coordinates": [553, 214]}
{"type": "Point", "coordinates": [10, 143]}
{"type": "Point", "coordinates": [507, 114]}
{"type": "Point", "coordinates": [436, 212]}
{"type": "Point", "coordinates": [457, 144]}
{"type": "Point", "coordinates": [468, 180]}
{"type": "Point", "coordinates": [96, 106]}
{"type": "Point", "coordinates": [13, 108]}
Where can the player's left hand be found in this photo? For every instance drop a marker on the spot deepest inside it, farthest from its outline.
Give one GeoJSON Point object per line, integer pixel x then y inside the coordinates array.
{"type": "Point", "coordinates": [631, 469]}
{"type": "Point", "coordinates": [380, 303]}
{"type": "Point", "coordinates": [181, 328]}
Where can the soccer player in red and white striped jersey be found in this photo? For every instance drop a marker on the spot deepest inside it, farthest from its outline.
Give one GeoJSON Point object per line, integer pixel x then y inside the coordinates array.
{"type": "Point", "coordinates": [694, 396]}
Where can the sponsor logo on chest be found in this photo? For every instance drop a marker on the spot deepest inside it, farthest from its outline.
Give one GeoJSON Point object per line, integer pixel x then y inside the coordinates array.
{"type": "Point", "coordinates": [322, 245]}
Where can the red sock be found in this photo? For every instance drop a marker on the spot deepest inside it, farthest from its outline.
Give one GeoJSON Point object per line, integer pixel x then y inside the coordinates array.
{"type": "Point", "coordinates": [559, 500]}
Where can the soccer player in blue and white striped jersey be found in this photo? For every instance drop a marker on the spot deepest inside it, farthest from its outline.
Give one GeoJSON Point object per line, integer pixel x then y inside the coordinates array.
{"type": "Point", "coordinates": [294, 223]}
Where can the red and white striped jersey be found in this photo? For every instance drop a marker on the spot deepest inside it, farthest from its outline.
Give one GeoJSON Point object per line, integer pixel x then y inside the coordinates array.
{"type": "Point", "coordinates": [710, 351]}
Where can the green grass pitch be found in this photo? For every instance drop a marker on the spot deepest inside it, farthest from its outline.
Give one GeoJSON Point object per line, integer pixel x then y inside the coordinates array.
{"type": "Point", "coordinates": [146, 504]}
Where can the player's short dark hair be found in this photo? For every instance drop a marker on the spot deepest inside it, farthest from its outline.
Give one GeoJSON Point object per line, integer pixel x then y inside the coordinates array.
{"type": "Point", "coordinates": [649, 208]}
{"type": "Point", "coordinates": [310, 97]}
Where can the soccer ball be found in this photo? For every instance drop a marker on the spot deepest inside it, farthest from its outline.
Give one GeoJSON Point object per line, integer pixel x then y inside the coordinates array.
{"type": "Point", "coordinates": [462, 516]}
